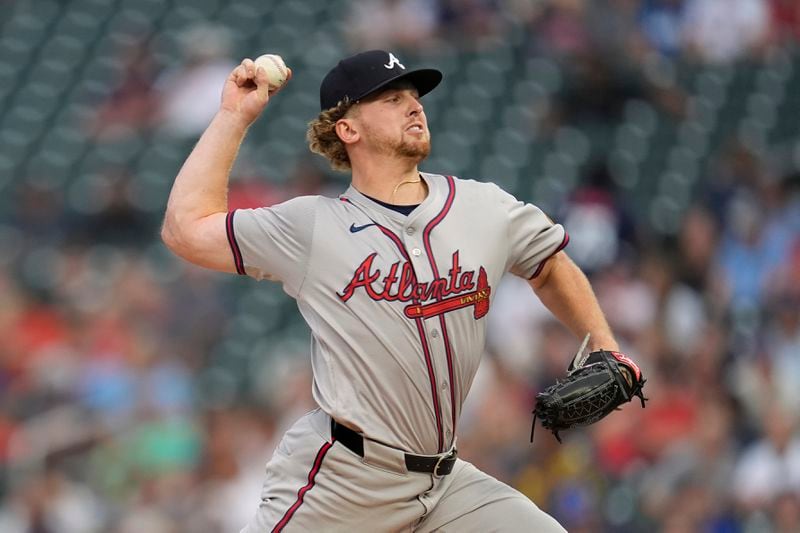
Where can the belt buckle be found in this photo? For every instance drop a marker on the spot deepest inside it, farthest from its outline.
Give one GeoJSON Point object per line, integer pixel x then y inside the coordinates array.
{"type": "Point", "coordinates": [450, 455]}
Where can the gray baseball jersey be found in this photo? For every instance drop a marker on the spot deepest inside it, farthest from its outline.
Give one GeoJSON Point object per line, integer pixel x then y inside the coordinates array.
{"type": "Point", "coordinates": [396, 303]}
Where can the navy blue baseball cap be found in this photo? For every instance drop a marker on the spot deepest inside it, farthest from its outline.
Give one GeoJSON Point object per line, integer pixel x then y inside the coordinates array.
{"type": "Point", "coordinates": [357, 76]}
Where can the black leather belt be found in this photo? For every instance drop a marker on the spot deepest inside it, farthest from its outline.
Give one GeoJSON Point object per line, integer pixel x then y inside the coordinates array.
{"type": "Point", "coordinates": [437, 465]}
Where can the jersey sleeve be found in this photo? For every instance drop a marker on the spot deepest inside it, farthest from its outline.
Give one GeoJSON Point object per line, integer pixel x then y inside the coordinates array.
{"type": "Point", "coordinates": [274, 243]}
{"type": "Point", "coordinates": [532, 237]}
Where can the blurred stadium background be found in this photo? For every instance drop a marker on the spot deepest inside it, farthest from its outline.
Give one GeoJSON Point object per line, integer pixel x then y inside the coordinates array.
{"type": "Point", "coordinates": [141, 394]}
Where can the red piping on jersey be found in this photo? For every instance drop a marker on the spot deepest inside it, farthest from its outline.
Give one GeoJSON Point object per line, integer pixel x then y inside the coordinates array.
{"type": "Point", "coordinates": [237, 253]}
{"type": "Point", "coordinates": [426, 240]}
{"type": "Point", "coordinates": [561, 246]}
{"type": "Point", "coordinates": [425, 348]}
{"type": "Point", "coordinates": [307, 487]}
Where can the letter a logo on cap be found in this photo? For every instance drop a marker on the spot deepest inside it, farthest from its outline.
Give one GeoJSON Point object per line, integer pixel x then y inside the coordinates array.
{"type": "Point", "coordinates": [393, 61]}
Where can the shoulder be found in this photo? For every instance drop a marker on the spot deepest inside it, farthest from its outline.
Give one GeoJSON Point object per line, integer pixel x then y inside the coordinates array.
{"type": "Point", "coordinates": [465, 185]}
{"type": "Point", "coordinates": [300, 204]}
{"type": "Point", "coordinates": [299, 208]}
{"type": "Point", "coordinates": [303, 202]}
{"type": "Point", "coordinates": [483, 190]}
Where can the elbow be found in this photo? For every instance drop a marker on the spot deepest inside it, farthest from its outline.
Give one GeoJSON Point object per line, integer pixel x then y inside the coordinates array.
{"type": "Point", "coordinates": [176, 242]}
{"type": "Point", "coordinates": [170, 235]}
{"type": "Point", "coordinates": [198, 241]}
{"type": "Point", "coordinates": [167, 237]}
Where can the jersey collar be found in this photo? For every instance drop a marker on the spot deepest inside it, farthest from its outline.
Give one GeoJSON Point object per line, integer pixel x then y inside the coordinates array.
{"type": "Point", "coordinates": [435, 185]}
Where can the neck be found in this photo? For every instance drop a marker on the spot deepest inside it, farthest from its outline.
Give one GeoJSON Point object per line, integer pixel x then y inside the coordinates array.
{"type": "Point", "coordinates": [395, 181]}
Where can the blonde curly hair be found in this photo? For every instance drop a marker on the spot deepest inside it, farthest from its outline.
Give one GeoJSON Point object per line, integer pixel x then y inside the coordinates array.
{"type": "Point", "coordinates": [323, 140]}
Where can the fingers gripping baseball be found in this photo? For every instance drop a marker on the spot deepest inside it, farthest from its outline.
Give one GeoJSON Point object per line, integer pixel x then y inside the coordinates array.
{"type": "Point", "coordinates": [247, 90]}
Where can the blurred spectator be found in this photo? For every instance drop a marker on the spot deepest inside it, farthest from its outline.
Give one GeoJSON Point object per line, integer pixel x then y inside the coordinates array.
{"type": "Point", "coordinates": [468, 22]}
{"type": "Point", "coordinates": [770, 466]}
{"type": "Point", "coordinates": [190, 93]}
{"type": "Point", "coordinates": [391, 24]}
{"type": "Point", "coordinates": [751, 250]}
{"type": "Point", "coordinates": [630, 303]}
{"type": "Point", "coordinates": [567, 480]}
{"type": "Point", "coordinates": [109, 214]}
{"type": "Point", "coordinates": [39, 212]}
{"type": "Point", "coordinates": [249, 189]}
{"type": "Point", "coordinates": [682, 287]}
{"type": "Point", "coordinates": [661, 23]}
{"type": "Point", "coordinates": [230, 474]}
{"type": "Point", "coordinates": [132, 105]}
{"type": "Point", "coordinates": [32, 330]}
{"type": "Point", "coordinates": [600, 226]}
{"type": "Point", "coordinates": [782, 343]}
{"type": "Point", "coordinates": [671, 414]}
{"type": "Point", "coordinates": [785, 513]}
{"type": "Point", "coordinates": [735, 169]}
{"type": "Point", "coordinates": [613, 29]}
{"type": "Point", "coordinates": [562, 30]}
{"type": "Point", "coordinates": [501, 399]}
{"type": "Point", "coordinates": [515, 331]}
{"type": "Point", "coordinates": [785, 21]}
{"type": "Point", "coordinates": [791, 193]}
{"type": "Point", "coordinates": [702, 465]}
{"type": "Point", "coordinates": [721, 32]}
{"type": "Point", "coordinates": [193, 320]}
{"type": "Point", "coordinates": [51, 503]}
{"type": "Point", "coordinates": [596, 91]}
{"type": "Point", "coordinates": [697, 241]}
{"type": "Point", "coordinates": [781, 332]}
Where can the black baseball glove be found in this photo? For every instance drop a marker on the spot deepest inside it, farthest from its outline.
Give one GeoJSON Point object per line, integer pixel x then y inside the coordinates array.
{"type": "Point", "coordinates": [595, 385]}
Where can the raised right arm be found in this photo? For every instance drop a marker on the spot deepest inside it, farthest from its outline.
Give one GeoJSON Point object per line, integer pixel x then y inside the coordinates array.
{"type": "Point", "coordinates": [194, 223]}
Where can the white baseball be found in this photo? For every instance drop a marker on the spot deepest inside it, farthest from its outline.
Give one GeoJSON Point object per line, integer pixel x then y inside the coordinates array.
{"type": "Point", "coordinates": [277, 71]}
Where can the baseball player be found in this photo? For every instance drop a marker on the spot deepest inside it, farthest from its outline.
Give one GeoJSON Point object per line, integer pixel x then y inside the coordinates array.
{"type": "Point", "coordinates": [395, 278]}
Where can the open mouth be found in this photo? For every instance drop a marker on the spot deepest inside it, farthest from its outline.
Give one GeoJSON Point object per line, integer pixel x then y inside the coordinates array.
{"type": "Point", "coordinates": [415, 128]}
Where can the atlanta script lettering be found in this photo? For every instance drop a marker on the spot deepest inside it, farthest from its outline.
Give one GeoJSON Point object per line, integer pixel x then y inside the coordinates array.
{"type": "Point", "coordinates": [400, 284]}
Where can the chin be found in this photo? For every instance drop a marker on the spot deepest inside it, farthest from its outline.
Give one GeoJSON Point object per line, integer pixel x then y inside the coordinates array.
{"type": "Point", "coordinates": [416, 152]}
{"type": "Point", "coordinates": [418, 149]}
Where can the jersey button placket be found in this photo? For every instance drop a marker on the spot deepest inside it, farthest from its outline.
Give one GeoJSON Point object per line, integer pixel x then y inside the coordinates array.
{"type": "Point", "coordinates": [418, 260]}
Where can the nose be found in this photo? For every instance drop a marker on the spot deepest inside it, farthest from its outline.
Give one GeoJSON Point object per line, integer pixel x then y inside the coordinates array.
{"type": "Point", "coordinates": [415, 108]}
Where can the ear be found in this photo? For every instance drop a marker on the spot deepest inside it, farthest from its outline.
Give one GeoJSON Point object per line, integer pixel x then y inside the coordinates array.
{"type": "Point", "coordinates": [346, 130]}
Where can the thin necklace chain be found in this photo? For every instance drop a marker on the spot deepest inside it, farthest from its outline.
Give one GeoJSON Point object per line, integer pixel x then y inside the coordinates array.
{"type": "Point", "coordinates": [403, 183]}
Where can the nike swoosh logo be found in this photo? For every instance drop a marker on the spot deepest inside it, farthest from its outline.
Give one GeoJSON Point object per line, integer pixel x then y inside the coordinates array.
{"type": "Point", "coordinates": [356, 229]}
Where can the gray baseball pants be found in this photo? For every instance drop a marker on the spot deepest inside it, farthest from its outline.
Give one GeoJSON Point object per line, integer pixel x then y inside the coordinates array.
{"type": "Point", "coordinates": [315, 485]}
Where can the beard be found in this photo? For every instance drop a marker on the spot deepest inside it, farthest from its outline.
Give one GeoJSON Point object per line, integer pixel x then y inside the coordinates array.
{"type": "Point", "coordinates": [417, 148]}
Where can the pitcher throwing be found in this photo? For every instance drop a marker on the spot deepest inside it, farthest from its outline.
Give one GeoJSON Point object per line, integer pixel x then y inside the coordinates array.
{"type": "Point", "coordinates": [395, 278]}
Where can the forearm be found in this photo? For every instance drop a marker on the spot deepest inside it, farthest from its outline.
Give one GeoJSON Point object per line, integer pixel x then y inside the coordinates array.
{"type": "Point", "coordinates": [201, 187]}
{"type": "Point", "coordinates": [564, 289]}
